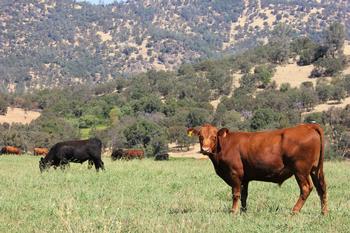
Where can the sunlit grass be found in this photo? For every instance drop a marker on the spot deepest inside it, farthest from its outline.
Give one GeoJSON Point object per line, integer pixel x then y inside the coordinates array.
{"type": "Point", "coordinates": [149, 196]}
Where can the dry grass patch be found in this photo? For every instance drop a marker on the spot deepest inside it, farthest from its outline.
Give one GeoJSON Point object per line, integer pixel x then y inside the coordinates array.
{"type": "Point", "coordinates": [18, 115]}
{"type": "Point", "coordinates": [328, 105]}
{"type": "Point", "coordinates": [293, 74]}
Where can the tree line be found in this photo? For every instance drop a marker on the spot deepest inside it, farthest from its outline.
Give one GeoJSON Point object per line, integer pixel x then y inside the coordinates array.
{"type": "Point", "coordinates": [151, 109]}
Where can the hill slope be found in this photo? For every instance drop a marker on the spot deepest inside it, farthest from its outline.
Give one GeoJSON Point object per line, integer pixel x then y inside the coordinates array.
{"type": "Point", "coordinates": [50, 43]}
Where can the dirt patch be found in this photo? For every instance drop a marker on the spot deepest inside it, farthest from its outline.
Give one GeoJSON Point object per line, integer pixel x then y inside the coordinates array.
{"type": "Point", "coordinates": [347, 48]}
{"type": "Point", "coordinates": [18, 115]}
{"type": "Point", "coordinates": [293, 74]}
{"type": "Point", "coordinates": [192, 153]}
{"type": "Point", "coordinates": [328, 105]}
{"type": "Point", "coordinates": [104, 36]}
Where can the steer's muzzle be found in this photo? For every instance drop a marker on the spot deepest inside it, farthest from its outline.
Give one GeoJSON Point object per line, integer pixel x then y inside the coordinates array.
{"type": "Point", "coordinates": [42, 165]}
{"type": "Point", "coordinates": [206, 150]}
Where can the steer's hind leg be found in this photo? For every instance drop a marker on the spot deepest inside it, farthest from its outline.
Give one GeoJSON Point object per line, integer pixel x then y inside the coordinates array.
{"type": "Point", "coordinates": [305, 186]}
{"type": "Point", "coordinates": [320, 184]}
{"type": "Point", "coordinates": [244, 196]}
{"type": "Point", "coordinates": [102, 164]}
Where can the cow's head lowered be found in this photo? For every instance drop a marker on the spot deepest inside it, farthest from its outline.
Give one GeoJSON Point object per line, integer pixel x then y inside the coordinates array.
{"type": "Point", "coordinates": [44, 164]}
{"type": "Point", "coordinates": [207, 135]}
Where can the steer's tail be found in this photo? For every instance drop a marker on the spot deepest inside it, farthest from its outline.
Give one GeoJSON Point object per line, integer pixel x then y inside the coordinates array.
{"type": "Point", "coordinates": [317, 175]}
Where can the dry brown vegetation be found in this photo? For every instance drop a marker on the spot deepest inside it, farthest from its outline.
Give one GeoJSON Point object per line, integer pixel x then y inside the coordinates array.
{"type": "Point", "coordinates": [18, 115]}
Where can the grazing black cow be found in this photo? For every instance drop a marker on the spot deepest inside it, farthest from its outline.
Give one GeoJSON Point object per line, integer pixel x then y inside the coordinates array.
{"type": "Point", "coordinates": [117, 154]}
{"type": "Point", "coordinates": [73, 151]}
{"type": "Point", "coordinates": [161, 156]}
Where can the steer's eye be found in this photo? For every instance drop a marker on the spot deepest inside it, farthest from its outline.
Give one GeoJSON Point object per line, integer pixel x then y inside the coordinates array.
{"type": "Point", "coordinates": [213, 138]}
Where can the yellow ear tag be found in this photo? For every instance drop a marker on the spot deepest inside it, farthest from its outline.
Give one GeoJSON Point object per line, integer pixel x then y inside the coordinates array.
{"type": "Point", "coordinates": [190, 133]}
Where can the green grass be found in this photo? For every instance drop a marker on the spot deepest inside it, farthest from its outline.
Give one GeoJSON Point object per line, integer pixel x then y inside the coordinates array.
{"type": "Point", "coordinates": [147, 196]}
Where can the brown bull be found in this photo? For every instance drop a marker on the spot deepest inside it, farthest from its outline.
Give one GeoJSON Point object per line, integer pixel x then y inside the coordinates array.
{"type": "Point", "coordinates": [272, 156]}
{"type": "Point", "coordinates": [41, 151]}
{"type": "Point", "coordinates": [127, 154]}
{"type": "Point", "coordinates": [10, 150]}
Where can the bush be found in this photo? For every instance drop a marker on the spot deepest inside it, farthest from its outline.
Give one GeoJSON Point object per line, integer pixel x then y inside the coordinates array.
{"type": "Point", "coordinates": [265, 118]}
{"type": "Point", "coordinates": [3, 105]}
{"type": "Point", "coordinates": [88, 121]}
{"type": "Point", "coordinates": [148, 135]}
{"type": "Point", "coordinates": [324, 92]}
{"type": "Point", "coordinates": [263, 75]}
{"type": "Point", "coordinates": [328, 66]}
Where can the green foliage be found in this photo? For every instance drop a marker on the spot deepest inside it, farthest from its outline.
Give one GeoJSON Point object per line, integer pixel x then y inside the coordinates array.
{"type": "Point", "coordinates": [248, 83]}
{"type": "Point", "coordinates": [334, 39]}
{"type": "Point", "coordinates": [264, 118]}
{"type": "Point", "coordinates": [285, 87]}
{"type": "Point", "coordinates": [197, 117]}
{"type": "Point", "coordinates": [147, 104]}
{"type": "Point", "coordinates": [308, 97]}
{"type": "Point", "coordinates": [346, 84]}
{"type": "Point", "coordinates": [279, 46]}
{"type": "Point", "coordinates": [88, 121]}
{"type": "Point", "coordinates": [178, 135]}
{"type": "Point", "coordinates": [114, 115]}
{"type": "Point", "coordinates": [328, 66]}
{"type": "Point", "coordinates": [232, 120]}
{"type": "Point", "coordinates": [3, 105]}
{"type": "Point", "coordinates": [314, 118]}
{"type": "Point", "coordinates": [263, 75]}
{"type": "Point", "coordinates": [146, 134]}
{"type": "Point", "coordinates": [57, 128]}
{"type": "Point", "coordinates": [307, 49]}
{"type": "Point", "coordinates": [324, 91]}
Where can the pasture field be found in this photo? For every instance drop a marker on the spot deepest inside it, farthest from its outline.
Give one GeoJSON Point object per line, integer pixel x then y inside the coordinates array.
{"type": "Point", "coordinates": [180, 195]}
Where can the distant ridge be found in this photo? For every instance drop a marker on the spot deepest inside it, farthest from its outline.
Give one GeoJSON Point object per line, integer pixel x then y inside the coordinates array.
{"type": "Point", "coordinates": [53, 43]}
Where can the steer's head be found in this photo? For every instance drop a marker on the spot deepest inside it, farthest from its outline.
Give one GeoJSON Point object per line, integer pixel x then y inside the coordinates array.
{"type": "Point", "coordinates": [207, 137]}
{"type": "Point", "coordinates": [43, 164]}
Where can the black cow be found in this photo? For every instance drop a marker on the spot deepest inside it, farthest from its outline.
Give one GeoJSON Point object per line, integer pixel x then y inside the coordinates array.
{"type": "Point", "coordinates": [117, 154]}
{"type": "Point", "coordinates": [161, 156]}
{"type": "Point", "coordinates": [73, 151]}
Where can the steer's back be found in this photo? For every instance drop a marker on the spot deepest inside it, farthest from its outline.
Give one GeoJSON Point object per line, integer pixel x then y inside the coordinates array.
{"type": "Point", "coordinates": [273, 155]}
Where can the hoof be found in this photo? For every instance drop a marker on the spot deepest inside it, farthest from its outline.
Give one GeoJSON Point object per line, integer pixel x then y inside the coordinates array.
{"type": "Point", "coordinates": [295, 212]}
{"type": "Point", "coordinates": [234, 211]}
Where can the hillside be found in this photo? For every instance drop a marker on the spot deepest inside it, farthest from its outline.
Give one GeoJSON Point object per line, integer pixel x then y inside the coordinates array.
{"type": "Point", "coordinates": [52, 43]}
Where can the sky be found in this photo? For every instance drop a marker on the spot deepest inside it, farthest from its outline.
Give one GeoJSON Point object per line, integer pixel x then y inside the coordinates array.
{"type": "Point", "coordinates": [98, 1]}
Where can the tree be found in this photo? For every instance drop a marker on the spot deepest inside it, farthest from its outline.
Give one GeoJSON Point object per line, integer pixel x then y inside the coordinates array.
{"type": "Point", "coordinates": [263, 75]}
{"type": "Point", "coordinates": [334, 39]}
{"type": "Point", "coordinates": [328, 66]}
{"type": "Point", "coordinates": [338, 93]}
{"type": "Point", "coordinates": [248, 82]}
{"type": "Point", "coordinates": [114, 115]}
{"type": "Point", "coordinates": [146, 134]}
{"type": "Point", "coordinates": [264, 118]}
{"type": "Point", "coordinates": [279, 43]}
{"type": "Point", "coordinates": [324, 92]}
{"type": "Point", "coordinates": [3, 105]}
{"type": "Point", "coordinates": [308, 98]}
{"type": "Point", "coordinates": [178, 134]}
{"type": "Point", "coordinates": [197, 117]}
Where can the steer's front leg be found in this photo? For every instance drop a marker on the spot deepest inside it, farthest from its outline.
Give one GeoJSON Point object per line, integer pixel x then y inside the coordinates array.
{"type": "Point", "coordinates": [236, 194]}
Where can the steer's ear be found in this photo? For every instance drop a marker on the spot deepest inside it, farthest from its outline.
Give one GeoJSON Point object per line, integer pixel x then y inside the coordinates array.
{"type": "Point", "coordinates": [192, 131]}
{"type": "Point", "coordinates": [223, 132]}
